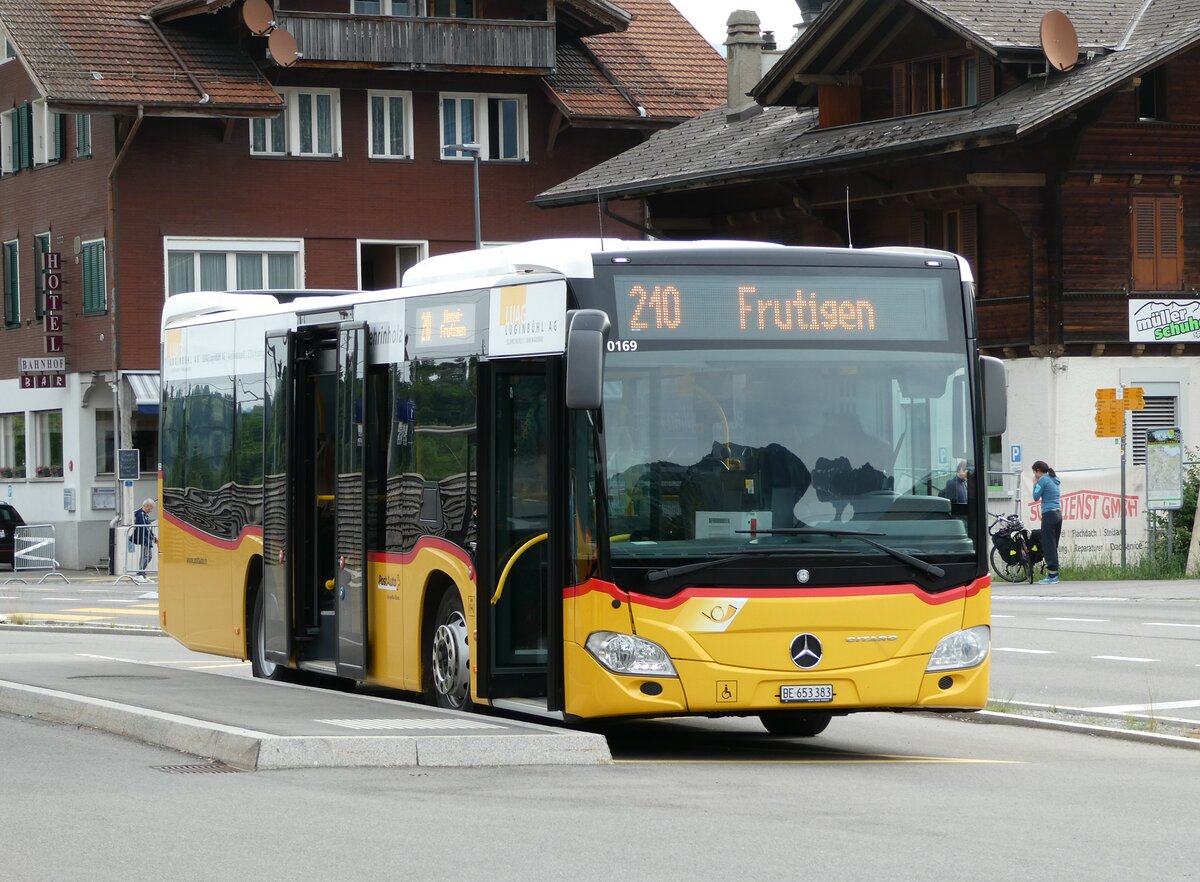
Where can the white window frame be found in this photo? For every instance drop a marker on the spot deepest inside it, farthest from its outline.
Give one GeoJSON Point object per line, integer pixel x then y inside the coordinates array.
{"type": "Point", "coordinates": [38, 426]}
{"type": "Point", "coordinates": [8, 131]}
{"type": "Point", "coordinates": [291, 122]}
{"type": "Point", "coordinates": [9, 448]}
{"type": "Point", "coordinates": [482, 133]}
{"type": "Point", "coordinates": [231, 246]}
{"type": "Point", "coordinates": [406, 97]}
{"type": "Point", "coordinates": [268, 125]}
{"type": "Point", "coordinates": [46, 134]}
{"type": "Point", "coordinates": [387, 9]}
{"type": "Point", "coordinates": [8, 51]}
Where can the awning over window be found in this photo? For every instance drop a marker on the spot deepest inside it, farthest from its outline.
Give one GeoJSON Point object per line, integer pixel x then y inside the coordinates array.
{"type": "Point", "coordinates": [145, 386]}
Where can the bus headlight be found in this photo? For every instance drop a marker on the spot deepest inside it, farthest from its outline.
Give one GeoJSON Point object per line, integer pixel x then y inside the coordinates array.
{"type": "Point", "coordinates": [962, 649]}
{"type": "Point", "coordinates": [627, 654]}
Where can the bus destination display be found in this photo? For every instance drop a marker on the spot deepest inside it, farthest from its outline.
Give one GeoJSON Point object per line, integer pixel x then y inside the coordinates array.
{"type": "Point", "coordinates": [779, 307]}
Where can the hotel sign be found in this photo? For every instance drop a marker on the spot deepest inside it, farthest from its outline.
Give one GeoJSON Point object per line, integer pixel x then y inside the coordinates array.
{"type": "Point", "coordinates": [49, 372]}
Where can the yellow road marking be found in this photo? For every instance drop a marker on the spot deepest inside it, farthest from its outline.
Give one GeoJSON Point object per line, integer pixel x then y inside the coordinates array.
{"type": "Point", "coordinates": [124, 611]}
{"type": "Point", "coordinates": [55, 617]}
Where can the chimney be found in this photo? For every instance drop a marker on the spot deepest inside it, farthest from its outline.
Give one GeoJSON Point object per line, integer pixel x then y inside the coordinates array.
{"type": "Point", "coordinates": [743, 57]}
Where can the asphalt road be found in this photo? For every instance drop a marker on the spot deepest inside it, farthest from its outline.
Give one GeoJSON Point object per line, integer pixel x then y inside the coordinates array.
{"type": "Point", "coordinates": [1127, 649]}
{"type": "Point", "coordinates": [904, 797]}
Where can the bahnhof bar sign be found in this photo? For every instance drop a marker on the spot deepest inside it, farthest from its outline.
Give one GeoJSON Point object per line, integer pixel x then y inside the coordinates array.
{"type": "Point", "coordinates": [43, 372]}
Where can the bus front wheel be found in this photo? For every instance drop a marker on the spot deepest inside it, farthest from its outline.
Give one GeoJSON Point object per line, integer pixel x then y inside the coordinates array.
{"type": "Point", "coordinates": [450, 656]}
{"type": "Point", "coordinates": [796, 724]}
{"type": "Point", "coordinates": [260, 665]}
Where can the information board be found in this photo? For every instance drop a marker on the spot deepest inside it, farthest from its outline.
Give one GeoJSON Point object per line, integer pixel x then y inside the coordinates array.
{"type": "Point", "coordinates": [129, 464]}
{"type": "Point", "coordinates": [1164, 468]}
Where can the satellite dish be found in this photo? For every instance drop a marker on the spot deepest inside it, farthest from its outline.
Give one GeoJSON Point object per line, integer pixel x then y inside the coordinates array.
{"type": "Point", "coordinates": [259, 17]}
{"type": "Point", "coordinates": [1059, 42]}
{"type": "Point", "coordinates": [282, 46]}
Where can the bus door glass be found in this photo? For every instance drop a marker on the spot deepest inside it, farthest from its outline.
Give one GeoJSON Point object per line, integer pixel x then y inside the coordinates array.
{"type": "Point", "coordinates": [277, 497]}
{"type": "Point", "coordinates": [524, 460]}
{"type": "Point", "coordinates": [350, 503]}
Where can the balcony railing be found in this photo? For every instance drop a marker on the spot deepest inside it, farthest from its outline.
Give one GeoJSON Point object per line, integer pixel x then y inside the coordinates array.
{"type": "Point", "coordinates": [439, 43]}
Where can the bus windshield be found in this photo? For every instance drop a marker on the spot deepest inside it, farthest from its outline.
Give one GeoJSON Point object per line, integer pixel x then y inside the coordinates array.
{"type": "Point", "coordinates": [715, 446]}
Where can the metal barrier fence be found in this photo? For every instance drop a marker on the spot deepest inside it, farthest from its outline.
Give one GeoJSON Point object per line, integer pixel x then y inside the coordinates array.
{"type": "Point", "coordinates": [140, 558]}
{"type": "Point", "coordinates": [33, 547]}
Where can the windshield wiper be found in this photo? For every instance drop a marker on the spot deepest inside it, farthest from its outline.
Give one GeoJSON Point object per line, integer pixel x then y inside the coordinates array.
{"type": "Point", "coordinates": [683, 569]}
{"type": "Point", "coordinates": [862, 536]}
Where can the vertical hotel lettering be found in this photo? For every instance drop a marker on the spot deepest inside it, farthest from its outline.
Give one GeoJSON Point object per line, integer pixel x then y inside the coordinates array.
{"type": "Point", "coordinates": [53, 376]}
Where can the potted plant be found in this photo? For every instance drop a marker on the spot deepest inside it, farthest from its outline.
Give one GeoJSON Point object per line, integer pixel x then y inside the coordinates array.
{"type": "Point", "coordinates": [56, 471]}
{"type": "Point", "coordinates": [43, 471]}
{"type": "Point", "coordinates": [6, 471]}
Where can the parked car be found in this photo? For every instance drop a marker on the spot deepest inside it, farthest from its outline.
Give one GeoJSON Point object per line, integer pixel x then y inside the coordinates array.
{"type": "Point", "coordinates": [10, 519]}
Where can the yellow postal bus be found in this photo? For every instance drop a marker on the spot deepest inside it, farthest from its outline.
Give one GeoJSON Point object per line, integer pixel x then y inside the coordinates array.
{"type": "Point", "coordinates": [586, 479]}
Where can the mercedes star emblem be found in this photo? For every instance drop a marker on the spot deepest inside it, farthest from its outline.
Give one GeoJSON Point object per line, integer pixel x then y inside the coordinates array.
{"type": "Point", "coordinates": [806, 651]}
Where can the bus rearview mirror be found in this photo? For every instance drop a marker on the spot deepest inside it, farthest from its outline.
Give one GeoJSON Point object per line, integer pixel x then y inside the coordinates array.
{"type": "Point", "coordinates": [995, 395]}
{"type": "Point", "coordinates": [586, 330]}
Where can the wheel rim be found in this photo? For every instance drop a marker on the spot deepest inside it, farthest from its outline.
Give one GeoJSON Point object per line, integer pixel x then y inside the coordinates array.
{"type": "Point", "coordinates": [450, 657]}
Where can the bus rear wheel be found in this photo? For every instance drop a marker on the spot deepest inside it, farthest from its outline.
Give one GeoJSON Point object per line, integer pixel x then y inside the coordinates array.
{"type": "Point", "coordinates": [795, 724]}
{"type": "Point", "coordinates": [260, 665]}
{"type": "Point", "coordinates": [450, 656]}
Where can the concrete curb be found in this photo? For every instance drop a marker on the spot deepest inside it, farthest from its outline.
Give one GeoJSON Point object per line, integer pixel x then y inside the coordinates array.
{"type": "Point", "coordinates": [259, 751]}
{"type": "Point", "coordinates": [1069, 725]}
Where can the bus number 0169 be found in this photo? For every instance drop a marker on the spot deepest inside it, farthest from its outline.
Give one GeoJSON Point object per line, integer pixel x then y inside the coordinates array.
{"type": "Point", "coordinates": [622, 345]}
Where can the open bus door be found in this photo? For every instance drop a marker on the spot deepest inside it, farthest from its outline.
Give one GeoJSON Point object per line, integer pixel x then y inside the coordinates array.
{"type": "Point", "coordinates": [314, 512]}
{"type": "Point", "coordinates": [277, 497]}
{"type": "Point", "coordinates": [521, 621]}
{"type": "Point", "coordinates": [350, 503]}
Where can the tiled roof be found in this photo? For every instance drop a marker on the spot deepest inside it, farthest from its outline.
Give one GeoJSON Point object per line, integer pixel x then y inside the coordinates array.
{"type": "Point", "coordinates": [1017, 23]}
{"type": "Point", "coordinates": [660, 63]}
{"type": "Point", "coordinates": [104, 52]}
{"type": "Point", "coordinates": [711, 150]}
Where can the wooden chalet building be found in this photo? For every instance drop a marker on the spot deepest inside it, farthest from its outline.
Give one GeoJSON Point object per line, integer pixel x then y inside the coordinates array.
{"type": "Point", "coordinates": [154, 148]}
{"type": "Point", "coordinates": [1075, 193]}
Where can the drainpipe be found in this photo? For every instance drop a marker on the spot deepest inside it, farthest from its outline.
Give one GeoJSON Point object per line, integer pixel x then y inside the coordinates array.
{"type": "Point", "coordinates": [124, 427]}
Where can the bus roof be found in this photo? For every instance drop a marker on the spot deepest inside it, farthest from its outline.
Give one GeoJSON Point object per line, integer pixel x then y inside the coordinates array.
{"type": "Point", "coordinates": [575, 258]}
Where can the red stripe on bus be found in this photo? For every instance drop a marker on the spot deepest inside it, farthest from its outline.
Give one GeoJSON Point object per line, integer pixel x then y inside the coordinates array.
{"type": "Point", "coordinates": [423, 544]}
{"type": "Point", "coordinates": [969, 590]}
{"type": "Point", "coordinates": [209, 538]}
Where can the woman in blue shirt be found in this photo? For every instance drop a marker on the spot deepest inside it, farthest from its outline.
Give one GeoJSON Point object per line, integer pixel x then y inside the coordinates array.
{"type": "Point", "coordinates": [1046, 491]}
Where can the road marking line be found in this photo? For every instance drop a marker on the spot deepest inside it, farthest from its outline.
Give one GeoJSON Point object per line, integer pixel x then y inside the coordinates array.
{"type": "Point", "coordinates": [1065, 619]}
{"type": "Point", "coordinates": [119, 612]}
{"type": "Point", "coordinates": [1172, 624]}
{"type": "Point", "coordinates": [822, 761]}
{"type": "Point", "coordinates": [994, 616]}
{"type": "Point", "coordinates": [58, 617]}
{"type": "Point", "coordinates": [1153, 706]}
{"type": "Point", "coordinates": [1127, 658]}
{"type": "Point", "coordinates": [1029, 651]}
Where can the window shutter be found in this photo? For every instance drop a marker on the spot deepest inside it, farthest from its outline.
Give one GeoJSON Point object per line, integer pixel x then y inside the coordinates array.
{"type": "Point", "coordinates": [954, 84]}
{"type": "Point", "coordinates": [899, 90]}
{"type": "Point", "coordinates": [1141, 231]}
{"type": "Point", "coordinates": [969, 241]}
{"type": "Point", "coordinates": [1159, 413]}
{"type": "Point", "coordinates": [916, 229]}
{"type": "Point", "coordinates": [987, 79]}
{"type": "Point", "coordinates": [1168, 272]}
{"type": "Point", "coordinates": [25, 136]}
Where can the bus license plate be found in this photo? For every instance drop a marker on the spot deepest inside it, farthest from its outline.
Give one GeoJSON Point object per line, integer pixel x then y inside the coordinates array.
{"type": "Point", "coordinates": [794, 694]}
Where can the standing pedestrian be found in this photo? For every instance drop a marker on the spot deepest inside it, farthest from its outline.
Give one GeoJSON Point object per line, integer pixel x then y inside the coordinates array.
{"type": "Point", "coordinates": [143, 536]}
{"type": "Point", "coordinates": [1046, 491]}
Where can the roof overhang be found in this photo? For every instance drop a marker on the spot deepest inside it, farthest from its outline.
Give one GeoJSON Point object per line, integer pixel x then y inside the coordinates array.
{"type": "Point", "coordinates": [168, 10]}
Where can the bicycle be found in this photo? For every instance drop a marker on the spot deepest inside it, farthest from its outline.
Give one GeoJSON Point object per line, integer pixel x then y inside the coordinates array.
{"type": "Point", "coordinates": [1010, 557]}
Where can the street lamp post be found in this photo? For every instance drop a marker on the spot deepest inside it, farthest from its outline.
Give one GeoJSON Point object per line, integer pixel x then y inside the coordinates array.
{"type": "Point", "coordinates": [474, 150]}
